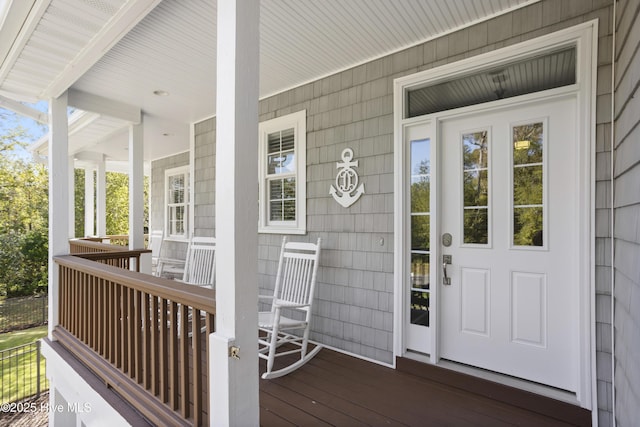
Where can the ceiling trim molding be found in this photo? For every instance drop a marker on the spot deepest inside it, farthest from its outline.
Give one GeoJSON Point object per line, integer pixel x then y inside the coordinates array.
{"type": "Point", "coordinates": [122, 22]}
{"type": "Point", "coordinates": [104, 106]}
{"type": "Point", "coordinates": [23, 110]}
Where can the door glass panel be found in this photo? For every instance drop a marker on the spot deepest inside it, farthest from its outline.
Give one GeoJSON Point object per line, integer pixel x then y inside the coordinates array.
{"type": "Point", "coordinates": [475, 183]}
{"type": "Point", "coordinates": [420, 230]}
{"type": "Point", "coordinates": [528, 184]}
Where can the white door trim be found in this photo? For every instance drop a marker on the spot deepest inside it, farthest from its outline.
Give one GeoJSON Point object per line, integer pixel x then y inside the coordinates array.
{"type": "Point", "coordinates": [584, 37]}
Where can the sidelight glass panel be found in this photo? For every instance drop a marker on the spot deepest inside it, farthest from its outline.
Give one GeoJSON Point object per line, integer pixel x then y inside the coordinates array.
{"type": "Point", "coordinates": [420, 232]}
{"type": "Point", "coordinates": [528, 184]}
{"type": "Point", "coordinates": [420, 195]}
{"type": "Point", "coordinates": [475, 187]}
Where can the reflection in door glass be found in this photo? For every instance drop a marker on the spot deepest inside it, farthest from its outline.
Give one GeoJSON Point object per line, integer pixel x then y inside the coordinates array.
{"type": "Point", "coordinates": [420, 230]}
{"type": "Point", "coordinates": [475, 182]}
{"type": "Point", "coordinates": [528, 184]}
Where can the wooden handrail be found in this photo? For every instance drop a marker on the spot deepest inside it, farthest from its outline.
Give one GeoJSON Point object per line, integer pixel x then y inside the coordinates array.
{"type": "Point", "coordinates": [117, 240]}
{"type": "Point", "coordinates": [144, 336]}
{"type": "Point", "coordinates": [86, 246]}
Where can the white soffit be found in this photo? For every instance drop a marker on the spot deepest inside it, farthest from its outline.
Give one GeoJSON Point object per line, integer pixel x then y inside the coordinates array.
{"type": "Point", "coordinates": [174, 47]}
{"type": "Point", "coordinates": [61, 39]}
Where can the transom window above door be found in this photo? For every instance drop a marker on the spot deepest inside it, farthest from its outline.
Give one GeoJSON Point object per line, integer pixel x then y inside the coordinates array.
{"type": "Point", "coordinates": [535, 73]}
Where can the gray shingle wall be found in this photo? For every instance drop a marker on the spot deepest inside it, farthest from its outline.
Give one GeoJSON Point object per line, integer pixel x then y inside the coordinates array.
{"type": "Point", "coordinates": [627, 214]}
{"type": "Point", "coordinates": [204, 179]}
{"type": "Point", "coordinates": [354, 109]}
{"type": "Point", "coordinates": [158, 167]}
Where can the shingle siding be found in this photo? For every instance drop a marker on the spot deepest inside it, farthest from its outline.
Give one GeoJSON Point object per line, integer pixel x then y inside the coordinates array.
{"type": "Point", "coordinates": [354, 108]}
{"type": "Point", "coordinates": [204, 179]}
{"type": "Point", "coordinates": [626, 173]}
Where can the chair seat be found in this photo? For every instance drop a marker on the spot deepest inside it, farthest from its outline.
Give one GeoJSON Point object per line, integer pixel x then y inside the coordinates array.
{"type": "Point", "coordinates": [265, 320]}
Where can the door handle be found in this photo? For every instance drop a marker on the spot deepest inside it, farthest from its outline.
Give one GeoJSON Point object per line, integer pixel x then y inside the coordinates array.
{"type": "Point", "coordinates": [446, 259]}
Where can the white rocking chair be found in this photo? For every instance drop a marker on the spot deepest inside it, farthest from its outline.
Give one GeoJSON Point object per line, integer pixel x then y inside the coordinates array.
{"type": "Point", "coordinates": [200, 263]}
{"type": "Point", "coordinates": [294, 287]}
{"type": "Point", "coordinates": [155, 244]}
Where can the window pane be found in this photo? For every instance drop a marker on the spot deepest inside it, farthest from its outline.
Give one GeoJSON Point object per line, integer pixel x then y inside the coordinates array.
{"type": "Point", "coordinates": [420, 232]}
{"type": "Point", "coordinates": [475, 147]}
{"type": "Point", "coordinates": [281, 163]}
{"type": "Point", "coordinates": [420, 176]}
{"type": "Point", "coordinates": [280, 152]}
{"type": "Point", "coordinates": [289, 210]}
{"type": "Point", "coordinates": [275, 209]}
{"type": "Point", "coordinates": [289, 188]}
{"type": "Point", "coordinates": [527, 185]}
{"type": "Point", "coordinates": [176, 189]}
{"type": "Point", "coordinates": [476, 223]}
{"type": "Point", "coordinates": [527, 226]}
{"type": "Point", "coordinates": [282, 199]}
{"type": "Point", "coordinates": [273, 143]}
{"type": "Point", "coordinates": [275, 189]}
{"type": "Point", "coordinates": [176, 220]}
{"type": "Point", "coordinates": [527, 144]}
{"type": "Point", "coordinates": [420, 308]}
{"type": "Point", "coordinates": [420, 271]}
{"type": "Point", "coordinates": [476, 188]}
{"type": "Point", "coordinates": [288, 140]}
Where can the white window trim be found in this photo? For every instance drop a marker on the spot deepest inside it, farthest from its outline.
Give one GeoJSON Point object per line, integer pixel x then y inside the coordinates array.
{"type": "Point", "coordinates": [297, 121]}
{"type": "Point", "coordinates": [182, 170]}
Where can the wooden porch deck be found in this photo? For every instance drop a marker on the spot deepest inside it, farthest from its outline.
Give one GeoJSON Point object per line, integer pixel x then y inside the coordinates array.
{"type": "Point", "coordinates": [336, 389]}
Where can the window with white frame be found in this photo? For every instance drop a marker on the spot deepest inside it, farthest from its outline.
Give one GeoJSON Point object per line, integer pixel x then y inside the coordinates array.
{"type": "Point", "coordinates": [177, 202]}
{"type": "Point", "coordinates": [282, 172]}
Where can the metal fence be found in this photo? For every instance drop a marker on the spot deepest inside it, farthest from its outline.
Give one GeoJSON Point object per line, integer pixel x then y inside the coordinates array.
{"type": "Point", "coordinates": [23, 312]}
{"type": "Point", "coordinates": [22, 372]}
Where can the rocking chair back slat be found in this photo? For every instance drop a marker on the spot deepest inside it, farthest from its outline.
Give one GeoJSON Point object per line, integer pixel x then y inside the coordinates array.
{"type": "Point", "coordinates": [200, 263]}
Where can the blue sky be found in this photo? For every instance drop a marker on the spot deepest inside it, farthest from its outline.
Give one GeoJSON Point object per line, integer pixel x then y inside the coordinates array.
{"type": "Point", "coordinates": [34, 130]}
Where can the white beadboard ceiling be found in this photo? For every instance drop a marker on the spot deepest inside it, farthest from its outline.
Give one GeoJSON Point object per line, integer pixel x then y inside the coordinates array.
{"type": "Point", "coordinates": [173, 48]}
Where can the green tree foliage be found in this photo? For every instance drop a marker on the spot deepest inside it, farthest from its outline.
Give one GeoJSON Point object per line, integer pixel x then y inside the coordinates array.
{"type": "Point", "coordinates": [117, 203]}
{"type": "Point", "coordinates": [78, 180]}
{"type": "Point", "coordinates": [23, 220]}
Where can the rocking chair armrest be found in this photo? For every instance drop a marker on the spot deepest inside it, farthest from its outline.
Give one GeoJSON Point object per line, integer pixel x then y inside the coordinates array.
{"type": "Point", "coordinates": [172, 261]}
{"type": "Point", "coordinates": [265, 297]}
{"type": "Point", "coordinates": [289, 305]}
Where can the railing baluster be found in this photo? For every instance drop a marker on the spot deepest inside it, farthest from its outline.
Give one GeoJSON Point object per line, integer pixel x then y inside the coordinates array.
{"type": "Point", "coordinates": [118, 325]}
{"type": "Point", "coordinates": [183, 324]}
{"type": "Point", "coordinates": [164, 345]}
{"type": "Point", "coordinates": [138, 335]}
{"type": "Point", "coordinates": [146, 336]}
{"type": "Point", "coordinates": [155, 356]}
{"type": "Point", "coordinates": [173, 355]}
{"type": "Point", "coordinates": [196, 337]}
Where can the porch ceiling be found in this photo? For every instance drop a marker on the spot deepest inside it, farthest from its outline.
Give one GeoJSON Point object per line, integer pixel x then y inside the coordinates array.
{"type": "Point", "coordinates": [126, 49]}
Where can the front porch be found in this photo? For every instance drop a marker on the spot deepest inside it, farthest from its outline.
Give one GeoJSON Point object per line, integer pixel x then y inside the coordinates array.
{"type": "Point", "coordinates": [129, 338]}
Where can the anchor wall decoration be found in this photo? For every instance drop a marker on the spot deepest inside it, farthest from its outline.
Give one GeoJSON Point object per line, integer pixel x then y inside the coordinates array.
{"type": "Point", "coordinates": [348, 192]}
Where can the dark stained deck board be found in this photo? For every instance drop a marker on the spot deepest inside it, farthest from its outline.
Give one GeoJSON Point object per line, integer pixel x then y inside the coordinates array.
{"type": "Point", "coordinates": [343, 390]}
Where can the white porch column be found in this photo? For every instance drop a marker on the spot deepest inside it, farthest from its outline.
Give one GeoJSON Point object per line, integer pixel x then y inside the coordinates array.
{"type": "Point", "coordinates": [89, 206]}
{"type": "Point", "coordinates": [72, 197]}
{"type": "Point", "coordinates": [233, 387]}
{"type": "Point", "coordinates": [58, 197]}
{"type": "Point", "coordinates": [101, 199]}
{"type": "Point", "coordinates": [136, 187]}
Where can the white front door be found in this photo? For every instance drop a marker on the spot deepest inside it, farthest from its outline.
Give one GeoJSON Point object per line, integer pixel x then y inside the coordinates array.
{"type": "Point", "coordinates": [508, 202]}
